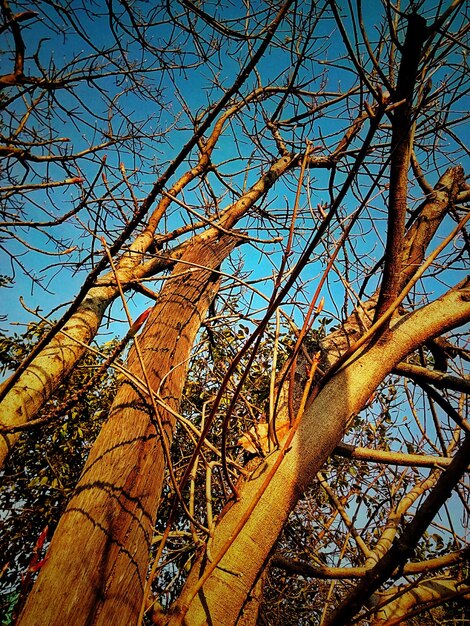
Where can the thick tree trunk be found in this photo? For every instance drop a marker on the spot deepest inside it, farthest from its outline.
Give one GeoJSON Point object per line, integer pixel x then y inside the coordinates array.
{"type": "Point", "coordinates": [97, 562]}
{"type": "Point", "coordinates": [247, 532]}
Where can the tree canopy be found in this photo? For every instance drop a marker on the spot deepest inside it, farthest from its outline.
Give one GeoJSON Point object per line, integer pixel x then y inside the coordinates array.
{"type": "Point", "coordinates": [234, 238]}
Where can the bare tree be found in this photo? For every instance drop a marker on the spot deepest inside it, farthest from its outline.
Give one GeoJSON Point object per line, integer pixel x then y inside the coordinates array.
{"type": "Point", "coordinates": [244, 162]}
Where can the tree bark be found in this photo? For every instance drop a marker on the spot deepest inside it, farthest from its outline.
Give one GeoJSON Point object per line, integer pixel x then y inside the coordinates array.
{"type": "Point", "coordinates": [96, 564]}
{"type": "Point", "coordinates": [430, 215]}
{"type": "Point", "coordinates": [402, 144]}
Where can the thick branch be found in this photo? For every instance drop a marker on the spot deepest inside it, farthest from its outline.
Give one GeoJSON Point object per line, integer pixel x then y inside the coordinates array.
{"type": "Point", "coordinates": [415, 599]}
{"type": "Point", "coordinates": [388, 457]}
{"type": "Point", "coordinates": [12, 21]}
{"type": "Point", "coordinates": [39, 381]}
{"type": "Point", "coordinates": [402, 144]}
{"type": "Point", "coordinates": [430, 215]}
{"type": "Point", "coordinates": [303, 568]}
{"type": "Point", "coordinates": [441, 380]}
{"type": "Point", "coordinates": [417, 239]}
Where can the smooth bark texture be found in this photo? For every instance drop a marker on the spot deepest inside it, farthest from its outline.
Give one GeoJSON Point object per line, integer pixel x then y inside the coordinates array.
{"type": "Point", "coordinates": [223, 594]}
{"type": "Point", "coordinates": [97, 562]}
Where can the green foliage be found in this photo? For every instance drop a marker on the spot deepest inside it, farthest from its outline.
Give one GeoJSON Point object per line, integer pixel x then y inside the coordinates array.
{"type": "Point", "coordinates": [13, 348]}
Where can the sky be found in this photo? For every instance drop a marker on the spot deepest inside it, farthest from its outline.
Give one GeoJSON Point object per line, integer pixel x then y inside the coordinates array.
{"type": "Point", "coordinates": [59, 46]}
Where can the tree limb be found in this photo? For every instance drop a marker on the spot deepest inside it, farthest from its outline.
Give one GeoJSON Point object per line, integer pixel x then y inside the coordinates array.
{"type": "Point", "coordinates": [402, 143]}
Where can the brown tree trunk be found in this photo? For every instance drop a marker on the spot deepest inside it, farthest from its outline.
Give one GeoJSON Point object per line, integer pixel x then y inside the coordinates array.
{"type": "Point", "coordinates": [97, 561]}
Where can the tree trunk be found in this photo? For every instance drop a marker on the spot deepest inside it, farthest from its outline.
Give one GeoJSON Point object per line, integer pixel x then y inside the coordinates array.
{"type": "Point", "coordinates": [246, 533]}
{"type": "Point", "coordinates": [97, 561]}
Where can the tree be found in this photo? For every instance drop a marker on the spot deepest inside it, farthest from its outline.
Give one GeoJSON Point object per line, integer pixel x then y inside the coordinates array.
{"type": "Point", "coordinates": [202, 137]}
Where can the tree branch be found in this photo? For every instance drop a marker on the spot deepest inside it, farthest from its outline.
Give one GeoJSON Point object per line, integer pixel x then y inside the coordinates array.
{"type": "Point", "coordinates": [303, 568]}
{"type": "Point", "coordinates": [441, 380]}
{"type": "Point", "coordinates": [402, 143]}
{"type": "Point", "coordinates": [388, 457]}
{"type": "Point", "coordinates": [403, 547]}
